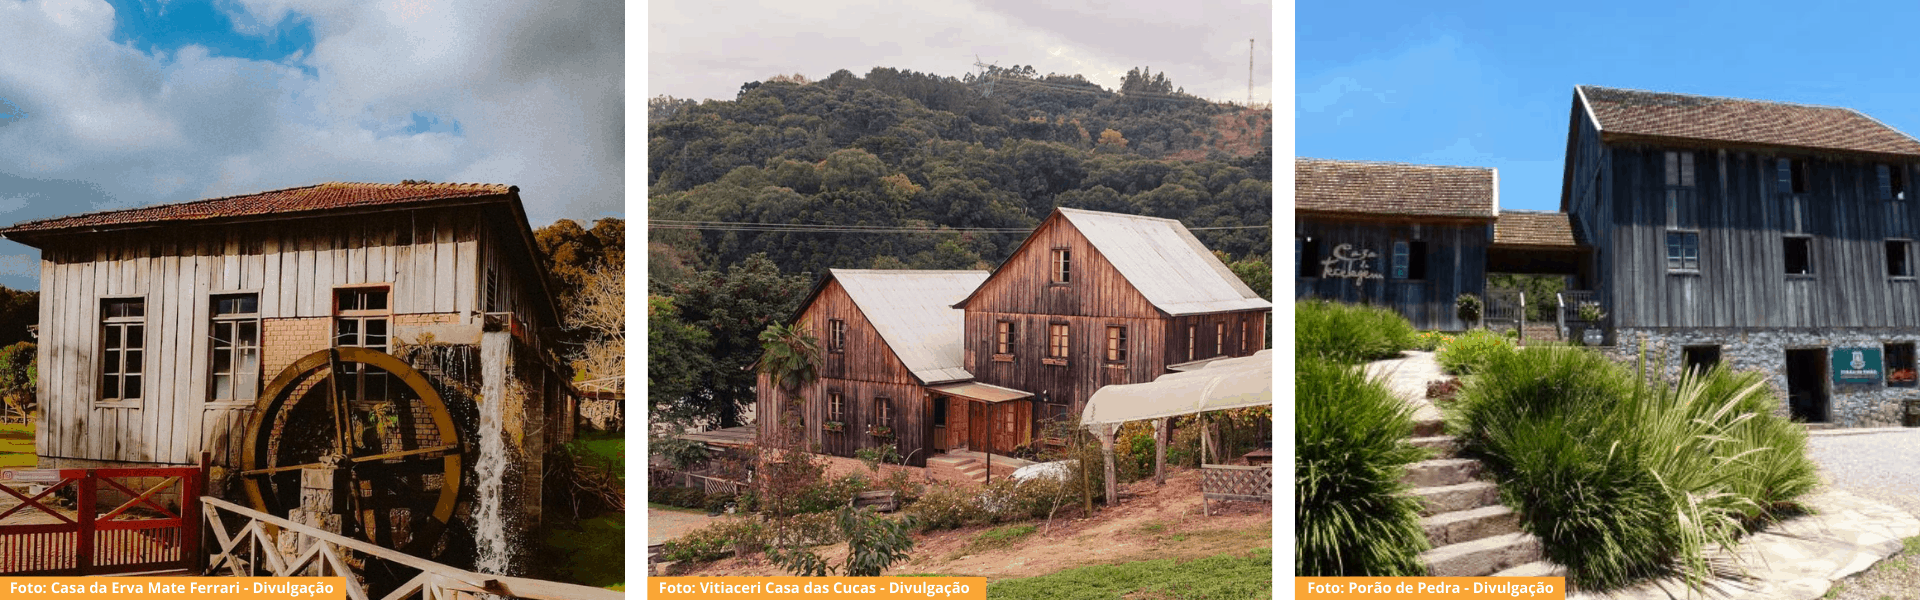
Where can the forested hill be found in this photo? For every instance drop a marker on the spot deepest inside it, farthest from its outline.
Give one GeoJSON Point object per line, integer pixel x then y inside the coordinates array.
{"type": "Point", "coordinates": [906, 150]}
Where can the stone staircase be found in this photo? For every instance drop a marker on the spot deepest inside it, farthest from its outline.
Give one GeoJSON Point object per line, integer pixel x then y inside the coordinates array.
{"type": "Point", "coordinates": [1471, 532]}
{"type": "Point", "coordinates": [961, 467]}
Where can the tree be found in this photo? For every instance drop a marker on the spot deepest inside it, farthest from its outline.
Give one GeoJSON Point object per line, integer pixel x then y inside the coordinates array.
{"type": "Point", "coordinates": [1111, 141]}
{"type": "Point", "coordinates": [791, 360]}
{"type": "Point", "coordinates": [733, 307]}
{"type": "Point", "coordinates": [19, 376]}
{"type": "Point", "coordinates": [599, 309]}
{"type": "Point", "coordinates": [574, 252]}
{"type": "Point", "coordinates": [677, 356]}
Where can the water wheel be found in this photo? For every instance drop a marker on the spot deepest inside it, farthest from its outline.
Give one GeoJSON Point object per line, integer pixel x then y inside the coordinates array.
{"type": "Point", "coordinates": [371, 428]}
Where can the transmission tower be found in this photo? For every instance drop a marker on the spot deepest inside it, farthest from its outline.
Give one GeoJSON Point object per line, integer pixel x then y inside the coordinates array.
{"type": "Point", "coordinates": [988, 74]}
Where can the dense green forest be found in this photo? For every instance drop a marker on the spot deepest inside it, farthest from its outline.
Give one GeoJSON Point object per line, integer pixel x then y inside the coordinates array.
{"type": "Point", "coordinates": [749, 198]}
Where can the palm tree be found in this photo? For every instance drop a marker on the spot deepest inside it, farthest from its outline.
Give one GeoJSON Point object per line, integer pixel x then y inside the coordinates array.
{"type": "Point", "coordinates": [791, 361]}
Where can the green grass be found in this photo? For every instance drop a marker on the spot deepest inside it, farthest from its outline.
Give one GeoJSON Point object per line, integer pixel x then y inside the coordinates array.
{"type": "Point", "coordinates": [1347, 333]}
{"type": "Point", "coordinates": [16, 446]}
{"type": "Point", "coordinates": [611, 446]}
{"type": "Point", "coordinates": [1353, 515]}
{"type": "Point", "coordinates": [1222, 577]}
{"type": "Point", "coordinates": [591, 552]}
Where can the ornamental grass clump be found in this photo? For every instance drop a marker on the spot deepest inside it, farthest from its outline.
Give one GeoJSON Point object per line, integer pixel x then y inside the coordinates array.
{"type": "Point", "coordinates": [1349, 334]}
{"type": "Point", "coordinates": [1354, 515]}
{"type": "Point", "coordinates": [1625, 480]}
{"type": "Point", "coordinates": [1472, 350]}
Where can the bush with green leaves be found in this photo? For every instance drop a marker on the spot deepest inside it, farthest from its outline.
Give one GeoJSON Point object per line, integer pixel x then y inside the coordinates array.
{"type": "Point", "coordinates": [1347, 333]}
{"type": "Point", "coordinates": [874, 542]}
{"type": "Point", "coordinates": [1622, 479]}
{"type": "Point", "coordinates": [678, 496]}
{"type": "Point", "coordinates": [717, 539]}
{"type": "Point", "coordinates": [827, 494]}
{"type": "Point", "coordinates": [1470, 351]}
{"type": "Point", "coordinates": [1354, 516]}
{"type": "Point", "coordinates": [948, 507]}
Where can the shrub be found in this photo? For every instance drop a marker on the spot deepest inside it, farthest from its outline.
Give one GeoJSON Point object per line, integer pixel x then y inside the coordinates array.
{"type": "Point", "coordinates": [948, 507]}
{"type": "Point", "coordinates": [1428, 341]}
{"type": "Point", "coordinates": [1346, 333]}
{"type": "Point", "coordinates": [1471, 351]}
{"type": "Point", "coordinates": [1623, 480]}
{"type": "Point", "coordinates": [1353, 516]}
{"type": "Point", "coordinates": [828, 494]}
{"type": "Point", "coordinates": [717, 503]}
{"type": "Point", "coordinates": [682, 497]}
{"type": "Point", "coordinates": [873, 544]}
{"type": "Point", "coordinates": [739, 535]}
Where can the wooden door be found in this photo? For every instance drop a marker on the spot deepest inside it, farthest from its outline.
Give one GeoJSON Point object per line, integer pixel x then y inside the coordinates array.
{"type": "Point", "coordinates": [979, 427]}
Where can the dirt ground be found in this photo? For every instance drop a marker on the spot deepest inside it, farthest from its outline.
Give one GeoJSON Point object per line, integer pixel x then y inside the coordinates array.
{"type": "Point", "coordinates": [1151, 522]}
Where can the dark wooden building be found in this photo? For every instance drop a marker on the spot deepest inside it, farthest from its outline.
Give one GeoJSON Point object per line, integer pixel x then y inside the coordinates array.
{"type": "Point", "coordinates": [1776, 236]}
{"type": "Point", "coordinates": [888, 338]}
{"type": "Point", "coordinates": [1093, 299]}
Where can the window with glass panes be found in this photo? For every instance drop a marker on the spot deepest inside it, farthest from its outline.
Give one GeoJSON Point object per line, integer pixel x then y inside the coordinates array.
{"type": "Point", "coordinates": [362, 318]}
{"type": "Point", "coordinates": [1004, 334]}
{"type": "Point", "coordinates": [1057, 340]}
{"type": "Point", "coordinates": [123, 331]}
{"type": "Point", "coordinates": [1116, 344]}
{"type": "Point", "coordinates": [1062, 265]}
{"type": "Point", "coordinates": [235, 341]}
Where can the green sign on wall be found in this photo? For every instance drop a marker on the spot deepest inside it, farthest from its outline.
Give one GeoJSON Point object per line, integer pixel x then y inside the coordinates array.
{"type": "Point", "coordinates": [1856, 365]}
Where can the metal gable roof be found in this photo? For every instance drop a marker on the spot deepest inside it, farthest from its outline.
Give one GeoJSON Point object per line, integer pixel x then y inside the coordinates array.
{"type": "Point", "coordinates": [913, 311]}
{"type": "Point", "coordinates": [1163, 260]}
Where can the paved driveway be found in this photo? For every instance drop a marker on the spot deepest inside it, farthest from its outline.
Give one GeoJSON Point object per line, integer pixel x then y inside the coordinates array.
{"type": "Point", "coordinates": [1882, 464]}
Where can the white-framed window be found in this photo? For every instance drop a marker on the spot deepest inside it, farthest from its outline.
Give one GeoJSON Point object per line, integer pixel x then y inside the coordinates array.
{"type": "Point", "coordinates": [123, 334]}
{"type": "Point", "coordinates": [235, 343]}
{"type": "Point", "coordinates": [1683, 250]}
{"type": "Point", "coordinates": [362, 317]}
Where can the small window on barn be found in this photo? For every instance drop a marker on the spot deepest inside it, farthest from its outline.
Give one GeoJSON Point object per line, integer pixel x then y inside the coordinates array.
{"type": "Point", "coordinates": [883, 412]}
{"type": "Point", "coordinates": [836, 336]}
{"type": "Point", "coordinates": [1399, 260]}
{"type": "Point", "coordinates": [1416, 260]}
{"type": "Point", "coordinates": [1799, 251]}
{"type": "Point", "coordinates": [1683, 251]}
{"type": "Point", "coordinates": [1791, 176]}
{"type": "Point", "coordinates": [1190, 342]}
{"type": "Point", "coordinates": [1005, 339]}
{"type": "Point", "coordinates": [1116, 344]}
{"type": "Point", "coordinates": [1220, 339]}
{"type": "Point", "coordinates": [1243, 335]}
{"type": "Point", "coordinates": [1062, 265]}
{"type": "Point", "coordinates": [123, 325]}
{"type": "Point", "coordinates": [1898, 263]}
{"type": "Point", "coordinates": [836, 405]}
{"type": "Point", "coordinates": [1900, 364]}
{"type": "Point", "coordinates": [1699, 358]}
{"type": "Point", "coordinates": [1057, 340]}
{"type": "Point", "coordinates": [1679, 169]}
{"type": "Point", "coordinates": [236, 347]}
{"type": "Point", "coordinates": [1893, 181]}
{"type": "Point", "coordinates": [1307, 258]}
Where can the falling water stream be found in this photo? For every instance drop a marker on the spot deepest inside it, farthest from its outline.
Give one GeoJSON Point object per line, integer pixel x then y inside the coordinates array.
{"type": "Point", "coordinates": [489, 522]}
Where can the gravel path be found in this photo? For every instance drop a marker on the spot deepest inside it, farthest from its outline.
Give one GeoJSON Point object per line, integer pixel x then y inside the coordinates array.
{"type": "Point", "coordinates": [1882, 464]}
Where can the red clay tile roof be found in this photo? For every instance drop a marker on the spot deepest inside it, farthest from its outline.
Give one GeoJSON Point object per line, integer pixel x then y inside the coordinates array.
{"type": "Point", "coordinates": [1635, 112]}
{"type": "Point", "coordinates": [1393, 188]}
{"type": "Point", "coordinates": [325, 196]}
{"type": "Point", "coordinates": [1536, 229]}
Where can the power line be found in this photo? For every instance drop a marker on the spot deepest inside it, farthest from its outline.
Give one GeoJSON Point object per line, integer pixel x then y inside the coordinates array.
{"type": "Point", "coordinates": [821, 228]}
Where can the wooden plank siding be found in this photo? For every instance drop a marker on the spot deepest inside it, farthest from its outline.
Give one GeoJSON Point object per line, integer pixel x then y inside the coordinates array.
{"type": "Point", "coordinates": [1456, 263]}
{"type": "Point", "coordinates": [866, 370]}
{"type": "Point", "coordinates": [431, 258]}
{"type": "Point", "coordinates": [1022, 292]}
{"type": "Point", "coordinates": [1742, 222]}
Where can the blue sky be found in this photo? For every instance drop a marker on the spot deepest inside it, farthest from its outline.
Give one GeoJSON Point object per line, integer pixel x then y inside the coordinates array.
{"type": "Point", "coordinates": [1491, 84]}
{"type": "Point", "coordinates": [108, 104]}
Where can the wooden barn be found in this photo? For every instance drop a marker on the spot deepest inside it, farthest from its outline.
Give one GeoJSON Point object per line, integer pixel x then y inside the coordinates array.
{"type": "Point", "coordinates": [1093, 299]}
{"type": "Point", "coordinates": [1773, 235]}
{"type": "Point", "coordinates": [888, 340]}
{"type": "Point", "coordinates": [164, 328]}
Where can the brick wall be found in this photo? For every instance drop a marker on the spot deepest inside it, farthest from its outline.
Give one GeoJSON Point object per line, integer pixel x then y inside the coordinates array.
{"type": "Point", "coordinates": [286, 340]}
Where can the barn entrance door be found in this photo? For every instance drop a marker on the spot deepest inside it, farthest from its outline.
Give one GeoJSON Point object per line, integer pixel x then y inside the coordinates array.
{"type": "Point", "coordinates": [979, 427]}
{"type": "Point", "coordinates": [1807, 384]}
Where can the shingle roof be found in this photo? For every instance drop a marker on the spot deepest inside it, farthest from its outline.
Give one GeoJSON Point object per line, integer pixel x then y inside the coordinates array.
{"type": "Point", "coordinates": [1530, 228]}
{"type": "Point", "coordinates": [325, 196]}
{"type": "Point", "coordinates": [1343, 186]}
{"type": "Point", "coordinates": [913, 311]}
{"type": "Point", "coordinates": [1635, 112]}
{"type": "Point", "coordinates": [1163, 260]}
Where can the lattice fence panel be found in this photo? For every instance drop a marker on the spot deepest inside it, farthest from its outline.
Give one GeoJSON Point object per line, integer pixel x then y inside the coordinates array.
{"type": "Point", "coordinates": [1229, 482]}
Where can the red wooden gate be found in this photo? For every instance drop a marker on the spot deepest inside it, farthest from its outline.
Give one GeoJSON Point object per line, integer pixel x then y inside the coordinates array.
{"type": "Point", "coordinates": [122, 521]}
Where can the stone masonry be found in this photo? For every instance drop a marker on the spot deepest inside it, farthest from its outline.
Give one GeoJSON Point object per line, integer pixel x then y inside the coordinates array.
{"type": "Point", "coordinates": [1874, 405]}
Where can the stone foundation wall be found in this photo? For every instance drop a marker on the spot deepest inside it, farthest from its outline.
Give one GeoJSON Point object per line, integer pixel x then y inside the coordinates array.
{"type": "Point", "coordinates": [1873, 405]}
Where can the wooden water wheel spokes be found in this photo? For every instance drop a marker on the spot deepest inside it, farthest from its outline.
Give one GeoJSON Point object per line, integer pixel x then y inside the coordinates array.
{"type": "Point", "coordinates": [391, 450]}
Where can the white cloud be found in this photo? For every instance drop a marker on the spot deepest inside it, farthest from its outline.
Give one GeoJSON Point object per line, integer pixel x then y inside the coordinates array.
{"type": "Point", "coordinates": [535, 87]}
